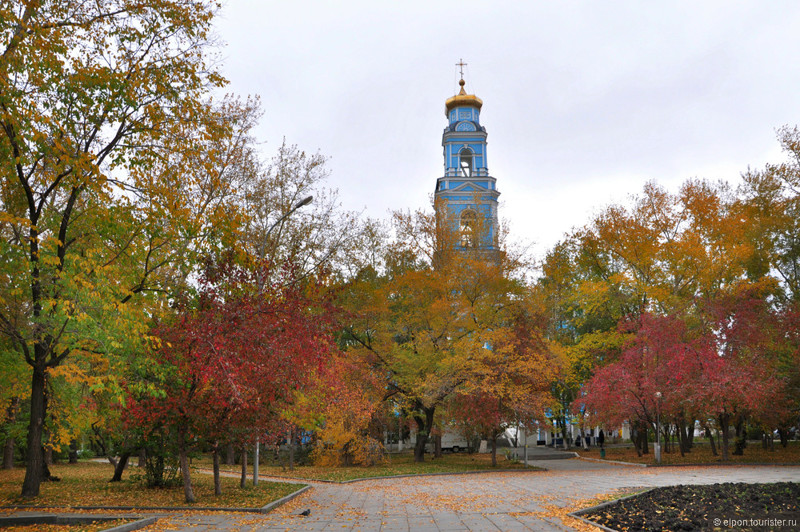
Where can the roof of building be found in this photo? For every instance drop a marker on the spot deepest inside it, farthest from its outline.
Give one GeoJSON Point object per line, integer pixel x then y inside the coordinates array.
{"type": "Point", "coordinates": [462, 98]}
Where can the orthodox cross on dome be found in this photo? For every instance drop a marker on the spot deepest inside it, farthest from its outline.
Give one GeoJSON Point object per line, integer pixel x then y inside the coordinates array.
{"type": "Point", "coordinates": [461, 64]}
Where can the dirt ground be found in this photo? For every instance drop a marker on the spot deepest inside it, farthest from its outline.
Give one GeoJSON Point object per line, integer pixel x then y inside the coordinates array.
{"type": "Point", "coordinates": [716, 506]}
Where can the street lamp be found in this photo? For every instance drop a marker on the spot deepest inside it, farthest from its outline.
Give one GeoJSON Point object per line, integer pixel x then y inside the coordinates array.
{"type": "Point", "coordinates": [658, 428]}
{"type": "Point", "coordinates": [302, 203]}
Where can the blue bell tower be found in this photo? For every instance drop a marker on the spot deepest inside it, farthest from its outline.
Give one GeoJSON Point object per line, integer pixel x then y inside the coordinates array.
{"type": "Point", "coordinates": [466, 196]}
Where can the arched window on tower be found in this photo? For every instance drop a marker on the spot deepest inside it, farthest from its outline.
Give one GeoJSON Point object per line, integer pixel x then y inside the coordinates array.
{"type": "Point", "coordinates": [468, 228]}
{"type": "Point", "coordinates": [465, 162]}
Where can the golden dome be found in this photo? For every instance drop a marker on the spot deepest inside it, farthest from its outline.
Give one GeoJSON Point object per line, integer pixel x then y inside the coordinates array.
{"type": "Point", "coordinates": [462, 98]}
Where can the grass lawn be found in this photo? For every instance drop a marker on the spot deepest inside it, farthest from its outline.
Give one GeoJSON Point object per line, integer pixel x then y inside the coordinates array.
{"type": "Point", "coordinates": [396, 464]}
{"type": "Point", "coordinates": [86, 484]}
{"type": "Point", "coordinates": [701, 454]}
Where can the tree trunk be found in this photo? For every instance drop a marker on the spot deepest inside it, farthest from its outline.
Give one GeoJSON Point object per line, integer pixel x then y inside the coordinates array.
{"type": "Point", "coordinates": [291, 449]}
{"type": "Point", "coordinates": [35, 465]}
{"type": "Point", "coordinates": [73, 452]}
{"type": "Point", "coordinates": [142, 457]}
{"type": "Point", "coordinates": [184, 459]}
{"type": "Point", "coordinates": [8, 453]}
{"type": "Point", "coordinates": [636, 440]}
{"type": "Point", "coordinates": [723, 427]}
{"type": "Point", "coordinates": [437, 446]}
{"type": "Point", "coordinates": [784, 436]}
{"type": "Point", "coordinates": [243, 480]}
{"type": "Point", "coordinates": [683, 445]}
{"type": "Point", "coordinates": [710, 439]}
{"type": "Point", "coordinates": [8, 447]}
{"type": "Point", "coordinates": [230, 454]}
{"type": "Point", "coordinates": [119, 467]}
{"type": "Point", "coordinates": [494, 447]}
{"type": "Point", "coordinates": [46, 475]}
{"type": "Point", "coordinates": [215, 456]}
{"type": "Point", "coordinates": [643, 439]}
{"type": "Point", "coordinates": [741, 438]}
{"type": "Point", "coordinates": [424, 426]}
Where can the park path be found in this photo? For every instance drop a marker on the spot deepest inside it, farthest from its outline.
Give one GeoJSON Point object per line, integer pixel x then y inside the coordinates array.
{"type": "Point", "coordinates": [533, 500]}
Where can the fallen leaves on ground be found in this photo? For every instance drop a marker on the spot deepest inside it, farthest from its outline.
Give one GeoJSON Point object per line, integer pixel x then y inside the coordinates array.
{"type": "Point", "coordinates": [86, 484]}
{"type": "Point", "coordinates": [397, 464]}
{"type": "Point", "coordinates": [87, 527]}
{"type": "Point", "coordinates": [701, 454]}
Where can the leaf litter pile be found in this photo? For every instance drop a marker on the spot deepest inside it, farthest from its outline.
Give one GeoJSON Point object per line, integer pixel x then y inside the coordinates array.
{"type": "Point", "coordinates": [697, 507]}
{"type": "Point", "coordinates": [87, 484]}
{"type": "Point", "coordinates": [701, 454]}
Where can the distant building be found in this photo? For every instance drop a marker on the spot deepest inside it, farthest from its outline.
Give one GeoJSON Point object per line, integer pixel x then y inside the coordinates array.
{"type": "Point", "coordinates": [466, 195]}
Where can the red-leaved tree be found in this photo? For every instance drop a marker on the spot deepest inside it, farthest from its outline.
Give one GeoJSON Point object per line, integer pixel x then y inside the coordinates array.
{"type": "Point", "coordinates": [232, 359]}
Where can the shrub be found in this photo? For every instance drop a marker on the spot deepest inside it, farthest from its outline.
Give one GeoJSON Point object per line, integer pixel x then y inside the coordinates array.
{"type": "Point", "coordinates": [349, 450]}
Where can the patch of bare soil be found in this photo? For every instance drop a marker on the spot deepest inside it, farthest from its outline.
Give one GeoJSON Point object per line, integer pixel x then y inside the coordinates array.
{"type": "Point", "coordinates": [727, 506]}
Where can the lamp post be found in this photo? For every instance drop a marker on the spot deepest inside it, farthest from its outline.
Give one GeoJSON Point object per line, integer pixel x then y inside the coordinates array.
{"type": "Point", "coordinates": [302, 203]}
{"type": "Point", "coordinates": [658, 428]}
{"type": "Point", "coordinates": [525, 458]}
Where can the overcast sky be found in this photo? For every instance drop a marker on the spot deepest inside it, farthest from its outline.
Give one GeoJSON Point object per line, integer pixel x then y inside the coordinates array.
{"type": "Point", "coordinates": [584, 102]}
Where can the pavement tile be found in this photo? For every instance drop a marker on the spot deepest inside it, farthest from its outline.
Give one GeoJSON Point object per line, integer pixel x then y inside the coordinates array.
{"type": "Point", "coordinates": [503, 521]}
{"type": "Point", "coordinates": [417, 520]}
{"type": "Point", "coordinates": [478, 522]}
{"type": "Point", "coordinates": [537, 524]}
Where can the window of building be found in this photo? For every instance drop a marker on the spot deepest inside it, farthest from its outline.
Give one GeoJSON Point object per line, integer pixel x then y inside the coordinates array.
{"type": "Point", "coordinates": [465, 157]}
{"type": "Point", "coordinates": [468, 228]}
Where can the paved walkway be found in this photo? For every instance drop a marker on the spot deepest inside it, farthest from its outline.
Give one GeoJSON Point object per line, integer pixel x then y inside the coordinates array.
{"type": "Point", "coordinates": [482, 502]}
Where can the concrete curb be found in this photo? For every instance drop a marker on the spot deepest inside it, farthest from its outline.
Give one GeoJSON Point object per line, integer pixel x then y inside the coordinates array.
{"type": "Point", "coordinates": [283, 500]}
{"type": "Point", "coordinates": [532, 469]}
{"type": "Point", "coordinates": [602, 461]}
{"type": "Point", "coordinates": [720, 464]}
{"type": "Point", "coordinates": [563, 455]}
{"type": "Point", "coordinates": [136, 525]}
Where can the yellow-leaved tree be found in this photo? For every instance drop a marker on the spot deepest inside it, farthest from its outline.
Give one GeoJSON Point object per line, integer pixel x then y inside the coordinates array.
{"type": "Point", "coordinates": [437, 322]}
{"type": "Point", "coordinates": [117, 169]}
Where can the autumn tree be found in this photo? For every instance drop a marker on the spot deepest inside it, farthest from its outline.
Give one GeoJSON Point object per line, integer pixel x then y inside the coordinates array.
{"type": "Point", "coordinates": [293, 216]}
{"type": "Point", "coordinates": [14, 376]}
{"type": "Point", "coordinates": [585, 299]}
{"type": "Point", "coordinates": [656, 375]}
{"type": "Point", "coordinates": [234, 359]}
{"type": "Point", "coordinates": [770, 199]}
{"type": "Point", "coordinates": [664, 255]}
{"type": "Point", "coordinates": [427, 323]}
{"type": "Point", "coordinates": [342, 402]}
{"type": "Point", "coordinates": [115, 170]}
{"type": "Point", "coordinates": [511, 378]}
